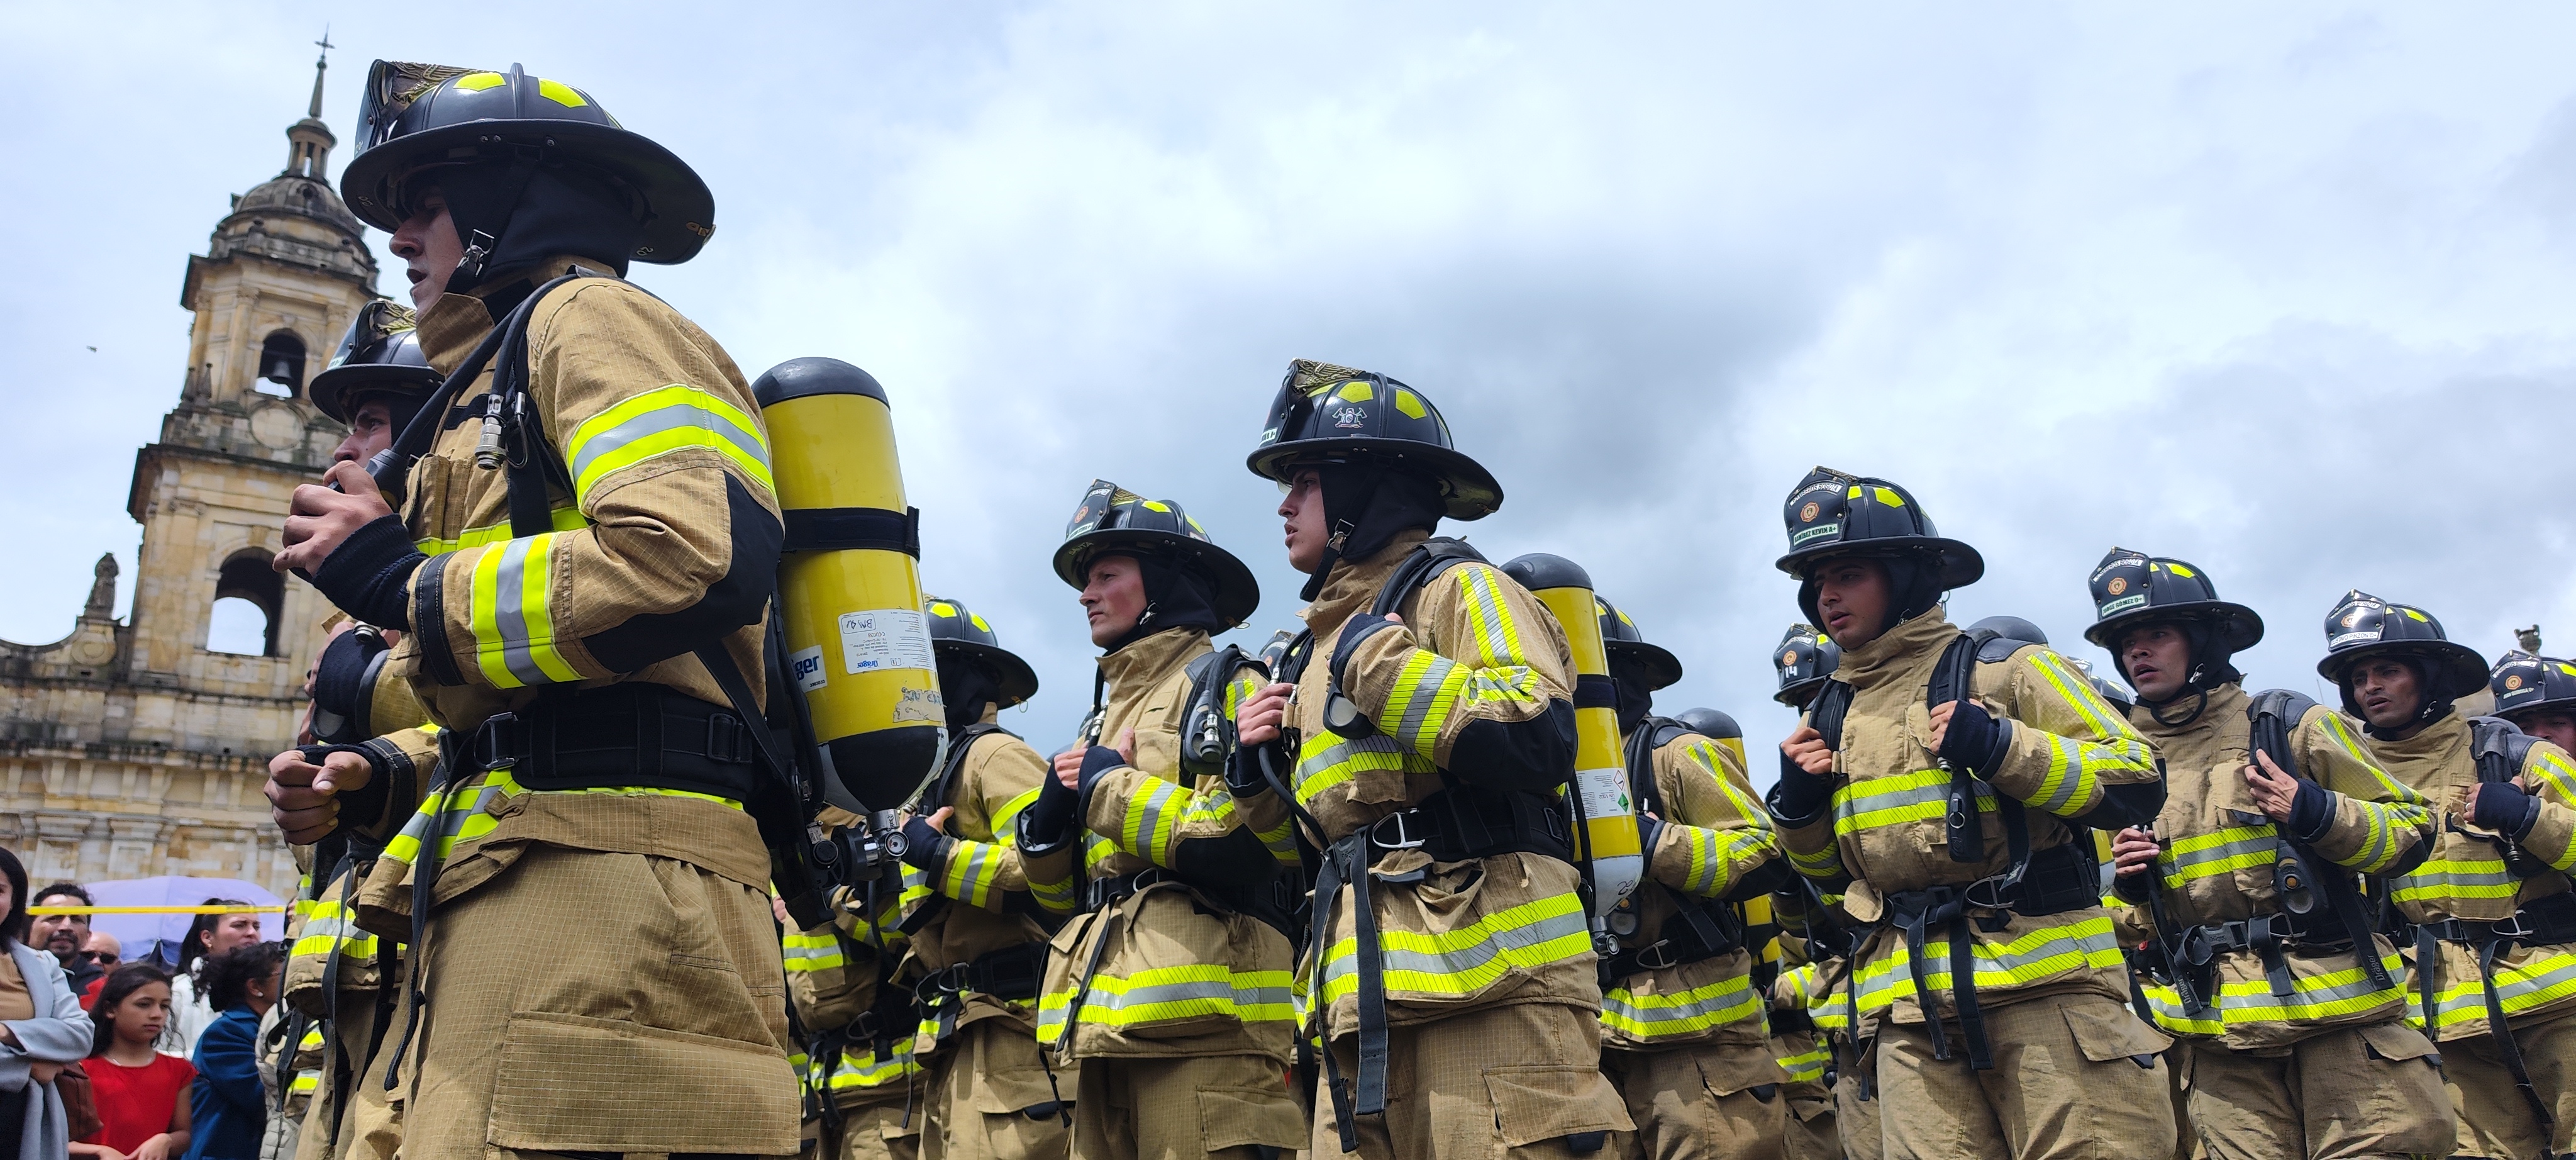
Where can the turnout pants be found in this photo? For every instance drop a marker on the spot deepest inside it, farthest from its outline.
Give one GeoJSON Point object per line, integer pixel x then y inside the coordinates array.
{"type": "Point", "coordinates": [1808, 1131]}
{"type": "Point", "coordinates": [1856, 1119]}
{"type": "Point", "coordinates": [2343, 1094]}
{"type": "Point", "coordinates": [1522, 1080]}
{"type": "Point", "coordinates": [880, 1129]}
{"type": "Point", "coordinates": [988, 1097]}
{"type": "Point", "coordinates": [1228, 1106]}
{"type": "Point", "coordinates": [2495, 1120]}
{"type": "Point", "coordinates": [2076, 1077]}
{"type": "Point", "coordinates": [587, 1001]}
{"type": "Point", "coordinates": [1682, 1111]}
{"type": "Point", "coordinates": [369, 1117]}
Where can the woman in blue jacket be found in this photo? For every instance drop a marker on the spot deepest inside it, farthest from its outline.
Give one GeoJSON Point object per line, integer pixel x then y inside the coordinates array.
{"type": "Point", "coordinates": [228, 1109]}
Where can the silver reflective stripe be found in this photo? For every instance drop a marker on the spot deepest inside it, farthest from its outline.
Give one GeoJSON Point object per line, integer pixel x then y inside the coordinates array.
{"type": "Point", "coordinates": [668, 418]}
{"type": "Point", "coordinates": [1426, 693]}
{"type": "Point", "coordinates": [508, 589]}
{"type": "Point", "coordinates": [1467, 960]}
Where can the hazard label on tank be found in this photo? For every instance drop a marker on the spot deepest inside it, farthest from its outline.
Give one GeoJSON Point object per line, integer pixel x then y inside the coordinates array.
{"type": "Point", "coordinates": [885, 638]}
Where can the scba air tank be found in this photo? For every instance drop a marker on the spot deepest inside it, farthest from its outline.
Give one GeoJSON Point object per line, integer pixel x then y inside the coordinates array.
{"type": "Point", "coordinates": [1611, 853]}
{"type": "Point", "coordinates": [858, 646]}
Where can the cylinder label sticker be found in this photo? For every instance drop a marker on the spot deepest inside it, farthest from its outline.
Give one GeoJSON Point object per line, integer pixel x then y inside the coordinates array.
{"type": "Point", "coordinates": [806, 665]}
{"type": "Point", "coordinates": [885, 638]}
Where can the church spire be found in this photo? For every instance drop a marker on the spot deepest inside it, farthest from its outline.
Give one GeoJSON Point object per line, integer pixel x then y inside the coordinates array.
{"type": "Point", "coordinates": [309, 141]}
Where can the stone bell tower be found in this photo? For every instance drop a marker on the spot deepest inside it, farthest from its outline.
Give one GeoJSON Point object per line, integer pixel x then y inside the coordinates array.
{"type": "Point", "coordinates": [129, 750]}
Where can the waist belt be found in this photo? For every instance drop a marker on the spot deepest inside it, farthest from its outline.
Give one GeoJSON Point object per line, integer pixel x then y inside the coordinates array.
{"type": "Point", "coordinates": [1707, 931]}
{"type": "Point", "coordinates": [1013, 973]}
{"type": "Point", "coordinates": [2056, 880]}
{"type": "Point", "coordinates": [632, 734]}
{"type": "Point", "coordinates": [2544, 922]}
{"type": "Point", "coordinates": [1459, 824]}
{"type": "Point", "coordinates": [1103, 893]}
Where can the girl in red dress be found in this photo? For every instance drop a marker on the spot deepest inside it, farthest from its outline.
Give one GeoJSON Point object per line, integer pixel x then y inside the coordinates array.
{"type": "Point", "coordinates": [141, 1094]}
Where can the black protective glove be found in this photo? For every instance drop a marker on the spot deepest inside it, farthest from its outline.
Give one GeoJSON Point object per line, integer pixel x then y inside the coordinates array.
{"type": "Point", "coordinates": [2312, 812]}
{"type": "Point", "coordinates": [1097, 760]}
{"type": "Point", "coordinates": [1048, 821]}
{"type": "Point", "coordinates": [924, 847]}
{"type": "Point", "coordinates": [1800, 796]}
{"type": "Point", "coordinates": [1243, 771]}
{"type": "Point", "coordinates": [1975, 739]}
{"type": "Point", "coordinates": [2503, 807]}
{"type": "Point", "coordinates": [369, 574]}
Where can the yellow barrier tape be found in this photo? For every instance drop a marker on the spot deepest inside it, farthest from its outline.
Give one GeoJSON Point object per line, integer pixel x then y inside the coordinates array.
{"type": "Point", "coordinates": [156, 909]}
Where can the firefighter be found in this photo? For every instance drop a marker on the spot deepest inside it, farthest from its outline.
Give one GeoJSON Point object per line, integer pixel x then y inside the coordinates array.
{"type": "Point", "coordinates": [1171, 988]}
{"type": "Point", "coordinates": [2293, 1043]}
{"type": "Point", "coordinates": [1432, 727]}
{"type": "Point", "coordinates": [1946, 783]}
{"type": "Point", "coordinates": [376, 382]}
{"type": "Point", "coordinates": [850, 987]}
{"type": "Point", "coordinates": [2495, 925]}
{"type": "Point", "coordinates": [582, 575]}
{"type": "Point", "coordinates": [1682, 1026]}
{"type": "Point", "coordinates": [1808, 1131]}
{"type": "Point", "coordinates": [2537, 694]}
{"type": "Point", "coordinates": [1805, 657]}
{"type": "Point", "coordinates": [978, 944]}
{"type": "Point", "coordinates": [1823, 936]}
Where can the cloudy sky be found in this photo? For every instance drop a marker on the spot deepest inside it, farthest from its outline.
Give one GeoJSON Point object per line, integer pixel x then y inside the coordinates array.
{"type": "Point", "coordinates": [2283, 290]}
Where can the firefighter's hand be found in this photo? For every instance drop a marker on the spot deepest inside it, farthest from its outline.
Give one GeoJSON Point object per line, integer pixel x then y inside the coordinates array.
{"type": "Point", "coordinates": [319, 519]}
{"type": "Point", "coordinates": [1807, 748]}
{"type": "Point", "coordinates": [2275, 792]}
{"type": "Point", "coordinates": [304, 797]}
{"type": "Point", "coordinates": [1257, 721]}
{"type": "Point", "coordinates": [2133, 852]}
{"type": "Point", "coordinates": [1068, 764]}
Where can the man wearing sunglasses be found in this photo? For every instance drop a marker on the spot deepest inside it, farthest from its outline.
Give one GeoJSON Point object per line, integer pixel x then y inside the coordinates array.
{"type": "Point", "coordinates": [580, 561]}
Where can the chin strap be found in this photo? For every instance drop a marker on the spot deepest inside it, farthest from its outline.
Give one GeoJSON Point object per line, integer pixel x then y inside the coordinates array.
{"type": "Point", "coordinates": [2156, 709]}
{"type": "Point", "coordinates": [1324, 568]}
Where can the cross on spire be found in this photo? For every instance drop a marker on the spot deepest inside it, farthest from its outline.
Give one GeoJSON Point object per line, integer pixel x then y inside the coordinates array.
{"type": "Point", "coordinates": [321, 64]}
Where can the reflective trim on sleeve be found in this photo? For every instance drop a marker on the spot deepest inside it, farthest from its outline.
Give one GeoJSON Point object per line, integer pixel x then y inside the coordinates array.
{"type": "Point", "coordinates": [2198, 856]}
{"type": "Point", "coordinates": [2438, 879]}
{"type": "Point", "coordinates": [656, 423]}
{"type": "Point", "coordinates": [511, 616]}
{"type": "Point", "coordinates": [1326, 759]}
{"type": "Point", "coordinates": [806, 951]}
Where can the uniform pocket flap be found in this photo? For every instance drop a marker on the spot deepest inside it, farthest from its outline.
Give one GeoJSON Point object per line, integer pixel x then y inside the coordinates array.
{"type": "Point", "coordinates": [1012, 1090]}
{"type": "Point", "coordinates": [569, 1083]}
{"type": "Point", "coordinates": [2393, 1040]}
{"type": "Point", "coordinates": [1237, 1117]}
{"type": "Point", "coordinates": [1729, 1072]}
{"type": "Point", "coordinates": [2105, 1033]}
{"type": "Point", "coordinates": [1533, 1104]}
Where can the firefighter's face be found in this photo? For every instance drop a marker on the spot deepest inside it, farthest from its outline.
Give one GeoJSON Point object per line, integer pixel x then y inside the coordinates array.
{"type": "Point", "coordinates": [2157, 660]}
{"type": "Point", "coordinates": [1853, 598]}
{"type": "Point", "coordinates": [2389, 691]}
{"type": "Point", "coordinates": [1301, 505]}
{"type": "Point", "coordinates": [1113, 596]}
{"type": "Point", "coordinates": [2551, 725]}
{"type": "Point", "coordinates": [371, 429]}
{"type": "Point", "coordinates": [428, 245]}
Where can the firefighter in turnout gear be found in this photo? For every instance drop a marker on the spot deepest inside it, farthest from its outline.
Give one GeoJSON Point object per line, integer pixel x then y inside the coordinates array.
{"type": "Point", "coordinates": [1682, 1028]}
{"type": "Point", "coordinates": [2537, 694]}
{"type": "Point", "coordinates": [2495, 933]}
{"type": "Point", "coordinates": [1944, 787]}
{"type": "Point", "coordinates": [1806, 657]}
{"type": "Point", "coordinates": [2265, 962]}
{"type": "Point", "coordinates": [579, 540]}
{"type": "Point", "coordinates": [1823, 936]}
{"type": "Point", "coordinates": [852, 991]}
{"type": "Point", "coordinates": [979, 942]}
{"type": "Point", "coordinates": [1170, 985]}
{"type": "Point", "coordinates": [1808, 1127]}
{"type": "Point", "coordinates": [1452, 978]}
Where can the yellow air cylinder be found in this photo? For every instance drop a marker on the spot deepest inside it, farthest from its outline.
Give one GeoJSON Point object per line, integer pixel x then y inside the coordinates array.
{"type": "Point", "coordinates": [1610, 852]}
{"type": "Point", "coordinates": [858, 645]}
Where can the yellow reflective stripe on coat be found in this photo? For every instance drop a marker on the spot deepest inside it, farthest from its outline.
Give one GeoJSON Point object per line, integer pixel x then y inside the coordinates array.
{"type": "Point", "coordinates": [659, 422]}
{"type": "Point", "coordinates": [2198, 856]}
{"type": "Point", "coordinates": [971, 870]}
{"type": "Point", "coordinates": [564, 519]}
{"type": "Point", "coordinates": [2381, 822]}
{"type": "Point", "coordinates": [1058, 896]}
{"type": "Point", "coordinates": [1922, 795]}
{"type": "Point", "coordinates": [1807, 1066]}
{"type": "Point", "coordinates": [450, 815]}
{"type": "Point", "coordinates": [2551, 771]}
{"type": "Point", "coordinates": [1653, 1016]}
{"type": "Point", "coordinates": [1166, 994]}
{"type": "Point", "coordinates": [331, 927]}
{"type": "Point", "coordinates": [867, 1071]}
{"type": "Point", "coordinates": [1490, 627]}
{"type": "Point", "coordinates": [2035, 956]}
{"type": "Point", "coordinates": [512, 616]}
{"type": "Point", "coordinates": [812, 952]}
{"type": "Point", "coordinates": [1530, 936]}
{"type": "Point", "coordinates": [1825, 862]}
{"type": "Point", "coordinates": [1326, 759]}
{"type": "Point", "coordinates": [2250, 1002]}
{"type": "Point", "coordinates": [2545, 979]}
{"type": "Point", "coordinates": [2441, 878]}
